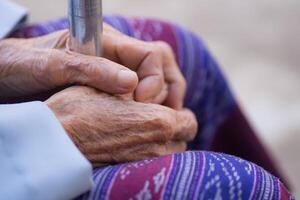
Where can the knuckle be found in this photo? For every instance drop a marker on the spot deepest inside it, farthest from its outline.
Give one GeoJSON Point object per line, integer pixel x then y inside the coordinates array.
{"type": "Point", "coordinates": [160, 79]}
{"type": "Point", "coordinates": [48, 65]}
{"type": "Point", "coordinates": [162, 129]}
{"type": "Point", "coordinates": [79, 69]}
{"type": "Point", "coordinates": [54, 60]}
{"type": "Point", "coordinates": [73, 61]}
{"type": "Point", "coordinates": [165, 123]}
{"type": "Point", "coordinates": [166, 49]}
{"type": "Point", "coordinates": [70, 62]}
{"type": "Point", "coordinates": [164, 46]}
{"type": "Point", "coordinates": [157, 47]}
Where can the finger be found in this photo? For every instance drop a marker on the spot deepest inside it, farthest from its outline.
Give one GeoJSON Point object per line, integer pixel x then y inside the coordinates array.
{"type": "Point", "coordinates": [97, 72]}
{"type": "Point", "coordinates": [121, 48]}
{"type": "Point", "coordinates": [132, 52]}
{"type": "Point", "coordinates": [151, 78]}
{"type": "Point", "coordinates": [161, 97]}
{"type": "Point", "coordinates": [173, 77]}
{"type": "Point", "coordinates": [142, 57]}
{"type": "Point", "coordinates": [186, 126]}
{"type": "Point", "coordinates": [176, 93]}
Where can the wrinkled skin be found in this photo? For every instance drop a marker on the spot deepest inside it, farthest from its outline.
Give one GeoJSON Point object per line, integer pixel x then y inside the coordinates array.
{"type": "Point", "coordinates": [147, 69]}
{"type": "Point", "coordinates": [110, 129]}
{"type": "Point", "coordinates": [29, 66]}
{"type": "Point", "coordinates": [106, 127]}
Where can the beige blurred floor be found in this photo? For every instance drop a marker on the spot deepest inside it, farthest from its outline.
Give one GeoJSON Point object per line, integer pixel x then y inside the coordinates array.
{"type": "Point", "coordinates": [258, 44]}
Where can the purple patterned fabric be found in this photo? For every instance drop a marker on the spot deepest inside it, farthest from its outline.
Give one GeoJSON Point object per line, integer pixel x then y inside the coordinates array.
{"type": "Point", "coordinates": [191, 175]}
{"type": "Point", "coordinates": [194, 174]}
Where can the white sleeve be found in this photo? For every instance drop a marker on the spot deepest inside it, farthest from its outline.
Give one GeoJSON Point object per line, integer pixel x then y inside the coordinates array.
{"type": "Point", "coordinates": [11, 15]}
{"type": "Point", "coordinates": [37, 158]}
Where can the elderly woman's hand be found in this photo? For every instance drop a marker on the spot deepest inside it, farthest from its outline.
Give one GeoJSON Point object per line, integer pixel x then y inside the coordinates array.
{"type": "Point", "coordinates": [110, 129]}
{"type": "Point", "coordinates": [160, 78]}
{"type": "Point", "coordinates": [33, 66]}
{"type": "Point", "coordinates": [29, 66]}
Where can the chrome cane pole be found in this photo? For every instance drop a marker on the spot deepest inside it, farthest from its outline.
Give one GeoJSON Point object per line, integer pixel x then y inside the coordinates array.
{"type": "Point", "coordinates": [85, 23]}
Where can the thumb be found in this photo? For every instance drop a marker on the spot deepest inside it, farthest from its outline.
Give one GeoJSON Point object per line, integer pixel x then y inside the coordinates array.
{"type": "Point", "coordinates": [99, 73]}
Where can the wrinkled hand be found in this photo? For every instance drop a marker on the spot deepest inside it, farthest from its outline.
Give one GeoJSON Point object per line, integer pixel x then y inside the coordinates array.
{"type": "Point", "coordinates": [109, 129]}
{"type": "Point", "coordinates": [160, 78]}
{"type": "Point", "coordinates": [32, 66]}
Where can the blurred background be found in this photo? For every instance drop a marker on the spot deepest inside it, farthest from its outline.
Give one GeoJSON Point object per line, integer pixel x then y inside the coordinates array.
{"type": "Point", "coordinates": [257, 43]}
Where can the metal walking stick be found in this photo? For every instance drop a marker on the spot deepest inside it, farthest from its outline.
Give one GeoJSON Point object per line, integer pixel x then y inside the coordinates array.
{"type": "Point", "coordinates": [85, 21]}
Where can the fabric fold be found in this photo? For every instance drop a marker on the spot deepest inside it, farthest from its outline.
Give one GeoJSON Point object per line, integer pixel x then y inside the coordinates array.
{"type": "Point", "coordinates": [38, 159]}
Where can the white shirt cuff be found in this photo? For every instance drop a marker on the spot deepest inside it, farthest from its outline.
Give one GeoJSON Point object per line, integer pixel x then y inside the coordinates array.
{"type": "Point", "coordinates": [38, 159]}
{"type": "Point", "coordinates": [11, 15]}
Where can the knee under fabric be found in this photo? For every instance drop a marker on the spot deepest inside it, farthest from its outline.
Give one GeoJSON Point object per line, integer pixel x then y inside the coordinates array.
{"type": "Point", "coordinates": [190, 175]}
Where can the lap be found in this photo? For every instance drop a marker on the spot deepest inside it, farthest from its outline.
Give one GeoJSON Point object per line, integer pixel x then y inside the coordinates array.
{"type": "Point", "coordinates": [190, 175]}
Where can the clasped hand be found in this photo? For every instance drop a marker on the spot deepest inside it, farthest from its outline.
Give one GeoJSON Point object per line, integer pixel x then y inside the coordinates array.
{"type": "Point", "coordinates": [106, 128]}
{"type": "Point", "coordinates": [110, 129]}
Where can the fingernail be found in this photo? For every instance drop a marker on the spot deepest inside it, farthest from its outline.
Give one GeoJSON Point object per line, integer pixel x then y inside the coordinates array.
{"type": "Point", "coordinates": [127, 79]}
